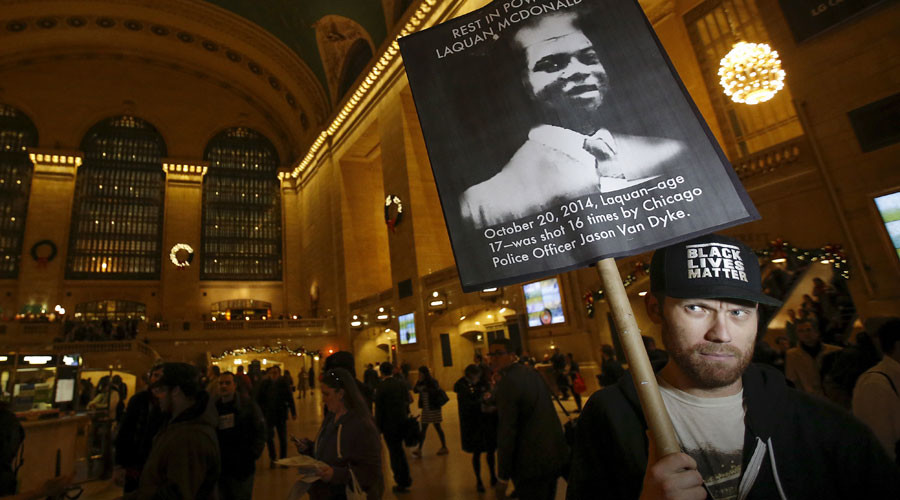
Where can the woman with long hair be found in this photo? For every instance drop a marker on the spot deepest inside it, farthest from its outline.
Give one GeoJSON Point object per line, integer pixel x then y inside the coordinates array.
{"type": "Point", "coordinates": [347, 441]}
{"type": "Point", "coordinates": [429, 401]}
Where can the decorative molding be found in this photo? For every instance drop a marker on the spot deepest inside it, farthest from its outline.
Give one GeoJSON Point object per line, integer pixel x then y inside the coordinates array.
{"type": "Point", "coordinates": [773, 158]}
{"type": "Point", "coordinates": [54, 162]}
{"type": "Point", "coordinates": [191, 172]}
{"type": "Point", "coordinates": [387, 63]}
{"type": "Point", "coordinates": [213, 18]}
{"type": "Point", "coordinates": [657, 10]}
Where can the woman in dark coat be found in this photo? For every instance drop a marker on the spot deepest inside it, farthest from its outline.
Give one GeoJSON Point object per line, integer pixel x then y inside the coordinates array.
{"type": "Point", "coordinates": [347, 441]}
{"type": "Point", "coordinates": [477, 421]}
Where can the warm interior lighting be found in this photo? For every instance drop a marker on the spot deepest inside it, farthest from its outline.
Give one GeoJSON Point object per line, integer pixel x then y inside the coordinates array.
{"type": "Point", "coordinates": [641, 294]}
{"type": "Point", "coordinates": [751, 73]}
{"type": "Point", "coordinates": [238, 361]}
{"type": "Point", "coordinates": [38, 360]}
{"type": "Point", "coordinates": [462, 317]}
{"type": "Point", "coordinates": [489, 290]}
{"type": "Point", "coordinates": [825, 261]}
{"type": "Point", "coordinates": [779, 260]}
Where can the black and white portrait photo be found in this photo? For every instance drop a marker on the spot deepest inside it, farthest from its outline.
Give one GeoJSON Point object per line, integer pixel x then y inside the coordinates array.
{"type": "Point", "coordinates": [559, 133]}
{"type": "Point", "coordinates": [571, 151]}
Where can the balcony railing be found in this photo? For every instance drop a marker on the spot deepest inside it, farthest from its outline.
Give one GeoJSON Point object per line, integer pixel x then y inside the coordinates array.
{"type": "Point", "coordinates": [771, 159]}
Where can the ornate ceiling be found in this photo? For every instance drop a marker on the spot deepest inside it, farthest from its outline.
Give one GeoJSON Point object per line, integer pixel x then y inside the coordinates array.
{"type": "Point", "coordinates": [294, 21]}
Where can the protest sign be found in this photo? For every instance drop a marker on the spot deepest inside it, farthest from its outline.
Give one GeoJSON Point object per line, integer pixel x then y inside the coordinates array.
{"type": "Point", "coordinates": [560, 134]}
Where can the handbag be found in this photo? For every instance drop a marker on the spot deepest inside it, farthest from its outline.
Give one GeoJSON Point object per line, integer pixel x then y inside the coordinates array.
{"type": "Point", "coordinates": [353, 490]}
{"type": "Point", "coordinates": [578, 384]}
{"type": "Point", "coordinates": [411, 432]}
{"type": "Point", "coordinates": [440, 398]}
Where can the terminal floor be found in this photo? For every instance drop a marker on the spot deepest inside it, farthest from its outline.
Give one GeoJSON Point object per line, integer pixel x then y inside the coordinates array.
{"type": "Point", "coordinates": [434, 477]}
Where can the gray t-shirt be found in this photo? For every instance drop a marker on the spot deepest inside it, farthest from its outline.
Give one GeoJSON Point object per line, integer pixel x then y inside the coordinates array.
{"type": "Point", "coordinates": [711, 431]}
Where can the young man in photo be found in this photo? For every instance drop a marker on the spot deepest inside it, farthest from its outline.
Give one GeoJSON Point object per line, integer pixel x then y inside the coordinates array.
{"type": "Point", "coordinates": [571, 152]}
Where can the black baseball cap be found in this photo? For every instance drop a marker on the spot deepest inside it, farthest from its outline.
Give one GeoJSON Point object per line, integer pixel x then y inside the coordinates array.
{"type": "Point", "coordinates": [708, 267]}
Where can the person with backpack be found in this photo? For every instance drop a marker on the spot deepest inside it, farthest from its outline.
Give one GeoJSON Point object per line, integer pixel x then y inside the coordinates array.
{"type": "Point", "coordinates": [876, 397]}
{"type": "Point", "coordinates": [431, 399]}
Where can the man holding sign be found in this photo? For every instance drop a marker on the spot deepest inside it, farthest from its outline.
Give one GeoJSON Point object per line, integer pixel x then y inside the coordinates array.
{"type": "Point", "coordinates": [743, 432]}
{"type": "Point", "coordinates": [571, 153]}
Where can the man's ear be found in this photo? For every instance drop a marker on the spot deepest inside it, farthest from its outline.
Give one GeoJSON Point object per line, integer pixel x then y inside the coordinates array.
{"type": "Point", "coordinates": [654, 308]}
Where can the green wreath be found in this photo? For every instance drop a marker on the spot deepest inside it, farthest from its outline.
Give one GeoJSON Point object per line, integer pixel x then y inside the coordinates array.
{"type": "Point", "coordinates": [42, 243]}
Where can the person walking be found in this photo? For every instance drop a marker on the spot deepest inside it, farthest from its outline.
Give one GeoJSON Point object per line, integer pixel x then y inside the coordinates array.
{"type": "Point", "coordinates": [302, 383]}
{"type": "Point", "coordinates": [431, 399]}
{"type": "Point", "coordinates": [141, 422]}
{"type": "Point", "coordinates": [347, 442]}
{"type": "Point", "coordinates": [311, 376]}
{"type": "Point", "coordinates": [274, 397]}
{"type": "Point", "coordinates": [477, 421]}
{"type": "Point", "coordinates": [574, 373]}
{"type": "Point", "coordinates": [531, 447]}
{"type": "Point", "coordinates": [242, 436]}
{"type": "Point", "coordinates": [610, 368]}
{"type": "Point", "coordinates": [392, 401]}
{"type": "Point", "coordinates": [184, 461]}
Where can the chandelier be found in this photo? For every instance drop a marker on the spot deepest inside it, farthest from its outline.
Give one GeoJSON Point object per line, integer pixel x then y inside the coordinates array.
{"type": "Point", "coordinates": [751, 73]}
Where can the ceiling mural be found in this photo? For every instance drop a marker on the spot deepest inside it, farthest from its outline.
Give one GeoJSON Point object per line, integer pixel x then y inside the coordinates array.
{"type": "Point", "coordinates": [294, 23]}
{"type": "Point", "coordinates": [335, 36]}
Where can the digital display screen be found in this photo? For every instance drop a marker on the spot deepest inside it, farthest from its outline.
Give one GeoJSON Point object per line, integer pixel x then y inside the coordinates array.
{"type": "Point", "coordinates": [544, 303]}
{"type": "Point", "coordinates": [889, 208]}
{"type": "Point", "coordinates": [407, 328]}
{"type": "Point", "coordinates": [65, 390]}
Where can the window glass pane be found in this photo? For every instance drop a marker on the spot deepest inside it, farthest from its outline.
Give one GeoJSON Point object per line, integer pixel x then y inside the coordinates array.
{"type": "Point", "coordinates": [241, 208]}
{"type": "Point", "coordinates": [17, 133]}
{"type": "Point", "coordinates": [119, 194]}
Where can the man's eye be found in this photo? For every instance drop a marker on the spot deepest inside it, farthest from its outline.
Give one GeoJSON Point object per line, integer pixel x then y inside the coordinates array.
{"type": "Point", "coordinates": [588, 58]}
{"type": "Point", "coordinates": [548, 66]}
{"type": "Point", "coordinates": [693, 308]}
{"type": "Point", "coordinates": [740, 313]}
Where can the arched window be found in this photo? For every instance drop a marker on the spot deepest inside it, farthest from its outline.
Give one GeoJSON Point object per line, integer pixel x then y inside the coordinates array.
{"type": "Point", "coordinates": [357, 59]}
{"type": "Point", "coordinates": [118, 211]}
{"type": "Point", "coordinates": [17, 133]}
{"type": "Point", "coordinates": [241, 208]}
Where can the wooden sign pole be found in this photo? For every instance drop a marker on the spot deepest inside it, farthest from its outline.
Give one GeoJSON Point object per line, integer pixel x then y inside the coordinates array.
{"type": "Point", "coordinates": [655, 413]}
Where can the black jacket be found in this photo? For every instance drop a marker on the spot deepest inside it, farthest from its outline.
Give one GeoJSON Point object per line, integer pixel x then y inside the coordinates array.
{"type": "Point", "coordinates": [818, 450]}
{"type": "Point", "coordinates": [241, 431]}
{"type": "Point", "coordinates": [275, 399]}
{"type": "Point", "coordinates": [391, 405]}
{"type": "Point", "coordinates": [140, 424]}
{"type": "Point", "coordinates": [530, 442]}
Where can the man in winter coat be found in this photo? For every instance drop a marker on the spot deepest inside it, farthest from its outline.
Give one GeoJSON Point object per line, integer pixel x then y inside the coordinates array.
{"type": "Point", "coordinates": [184, 461]}
{"type": "Point", "coordinates": [391, 413]}
{"type": "Point", "coordinates": [531, 448]}
{"type": "Point", "coordinates": [134, 439]}
{"type": "Point", "coordinates": [242, 436]}
{"type": "Point", "coordinates": [743, 432]}
{"type": "Point", "coordinates": [275, 398]}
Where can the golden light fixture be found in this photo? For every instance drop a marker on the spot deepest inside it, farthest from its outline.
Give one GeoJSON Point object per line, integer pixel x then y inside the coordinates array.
{"type": "Point", "coordinates": [751, 73]}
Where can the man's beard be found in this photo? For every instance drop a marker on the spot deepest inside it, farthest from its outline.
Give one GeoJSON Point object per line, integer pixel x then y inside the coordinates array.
{"type": "Point", "coordinates": [707, 373]}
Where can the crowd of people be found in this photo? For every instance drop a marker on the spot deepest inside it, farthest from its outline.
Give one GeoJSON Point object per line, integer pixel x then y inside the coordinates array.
{"type": "Point", "coordinates": [743, 430]}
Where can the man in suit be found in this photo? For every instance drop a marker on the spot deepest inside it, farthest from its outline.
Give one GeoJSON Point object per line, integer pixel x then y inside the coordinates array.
{"type": "Point", "coordinates": [531, 448]}
{"type": "Point", "coordinates": [392, 401]}
{"type": "Point", "coordinates": [571, 153]}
